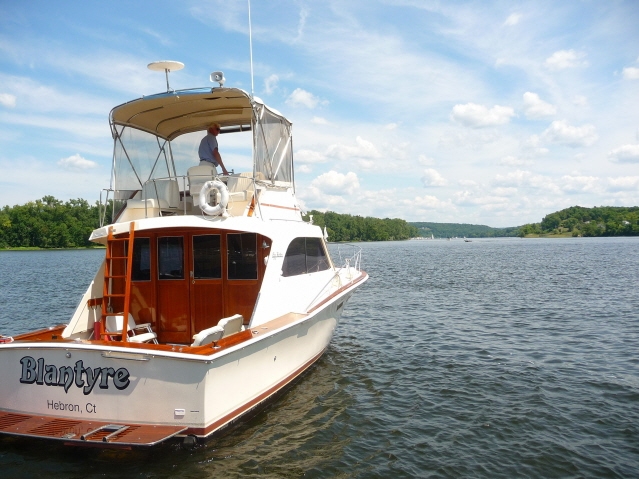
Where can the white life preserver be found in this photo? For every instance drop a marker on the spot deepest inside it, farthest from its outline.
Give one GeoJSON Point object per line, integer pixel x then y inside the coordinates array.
{"type": "Point", "coordinates": [220, 208]}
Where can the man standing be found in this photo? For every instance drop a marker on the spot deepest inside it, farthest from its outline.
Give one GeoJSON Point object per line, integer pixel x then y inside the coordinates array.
{"type": "Point", "coordinates": [208, 148]}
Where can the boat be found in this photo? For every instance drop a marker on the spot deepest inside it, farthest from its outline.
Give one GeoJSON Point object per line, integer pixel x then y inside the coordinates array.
{"type": "Point", "coordinates": [214, 294]}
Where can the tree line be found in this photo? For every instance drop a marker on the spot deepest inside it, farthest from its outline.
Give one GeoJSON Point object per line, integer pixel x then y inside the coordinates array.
{"type": "Point", "coordinates": [580, 221]}
{"type": "Point", "coordinates": [458, 230]}
{"type": "Point", "coordinates": [48, 223]}
{"type": "Point", "coordinates": [51, 223]}
{"type": "Point", "coordinates": [341, 227]}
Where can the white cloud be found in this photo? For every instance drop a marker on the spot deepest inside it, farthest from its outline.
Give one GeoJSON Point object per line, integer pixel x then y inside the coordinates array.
{"type": "Point", "coordinates": [534, 107]}
{"type": "Point", "coordinates": [561, 132]}
{"type": "Point", "coordinates": [7, 100]}
{"type": "Point", "coordinates": [363, 149]}
{"type": "Point", "coordinates": [318, 120]}
{"type": "Point", "coordinates": [270, 83]}
{"type": "Point", "coordinates": [508, 191]}
{"type": "Point", "coordinates": [577, 184]}
{"type": "Point", "coordinates": [467, 182]}
{"type": "Point", "coordinates": [301, 97]}
{"type": "Point", "coordinates": [479, 116]}
{"type": "Point", "coordinates": [563, 59]}
{"type": "Point", "coordinates": [433, 178]}
{"type": "Point", "coordinates": [631, 73]}
{"type": "Point", "coordinates": [76, 162]}
{"type": "Point", "coordinates": [523, 178]}
{"type": "Point", "coordinates": [424, 160]}
{"type": "Point", "coordinates": [334, 183]}
{"type": "Point", "coordinates": [487, 202]}
{"type": "Point", "coordinates": [309, 156]}
{"type": "Point", "coordinates": [625, 154]}
{"type": "Point", "coordinates": [514, 161]}
{"type": "Point", "coordinates": [533, 146]}
{"type": "Point", "coordinates": [580, 100]}
{"type": "Point", "coordinates": [426, 202]}
{"type": "Point", "coordinates": [623, 183]}
{"type": "Point", "coordinates": [513, 19]}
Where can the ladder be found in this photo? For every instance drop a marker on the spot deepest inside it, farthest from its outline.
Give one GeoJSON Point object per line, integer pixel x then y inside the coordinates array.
{"type": "Point", "coordinates": [118, 267]}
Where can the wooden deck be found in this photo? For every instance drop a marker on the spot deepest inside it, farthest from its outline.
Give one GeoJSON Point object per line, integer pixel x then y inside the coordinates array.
{"type": "Point", "coordinates": [86, 433]}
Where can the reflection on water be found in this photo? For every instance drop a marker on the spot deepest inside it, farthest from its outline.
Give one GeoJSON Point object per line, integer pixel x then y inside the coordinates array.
{"type": "Point", "coordinates": [495, 358]}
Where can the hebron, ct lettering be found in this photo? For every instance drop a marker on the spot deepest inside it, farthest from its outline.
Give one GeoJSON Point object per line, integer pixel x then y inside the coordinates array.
{"type": "Point", "coordinates": [36, 371]}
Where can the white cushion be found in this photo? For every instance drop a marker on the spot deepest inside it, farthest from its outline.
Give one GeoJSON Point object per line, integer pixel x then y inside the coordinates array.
{"type": "Point", "coordinates": [232, 324]}
{"type": "Point", "coordinates": [207, 336]}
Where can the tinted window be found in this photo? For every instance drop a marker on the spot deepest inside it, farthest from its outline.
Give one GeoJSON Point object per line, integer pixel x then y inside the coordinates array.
{"type": "Point", "coordinates": [316, 259]}
{"type": "Point", "coordinates": [171, 257]}
{"type": "Point", "coordinates": [242, 255]}
{"type": "Point", "coordinates": [141, 259]}
{"type": "Point", "coordinates": [305, 255]}
{"type": "Point", "coordinates": [207, 262]}
{"type": "Point", "coordinates": [295, 259]}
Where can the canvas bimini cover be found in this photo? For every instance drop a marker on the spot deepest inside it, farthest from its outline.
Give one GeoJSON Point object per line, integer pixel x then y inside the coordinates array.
{"type": "Point", "coordinates": [144, 128]}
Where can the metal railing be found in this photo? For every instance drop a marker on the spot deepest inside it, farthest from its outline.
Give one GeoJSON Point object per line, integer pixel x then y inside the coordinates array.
{"type": "Point", "coordinates": [349, 255]}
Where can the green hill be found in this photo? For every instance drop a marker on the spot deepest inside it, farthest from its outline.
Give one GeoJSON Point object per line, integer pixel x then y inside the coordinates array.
{"type": "Point", "coordinates": [580, 221]}
{"type": "Point", "coordinates": [459, 230]}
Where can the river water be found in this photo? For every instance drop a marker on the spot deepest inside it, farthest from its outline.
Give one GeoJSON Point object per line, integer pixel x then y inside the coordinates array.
{"type": "Point", "coordinates": [496, 358]}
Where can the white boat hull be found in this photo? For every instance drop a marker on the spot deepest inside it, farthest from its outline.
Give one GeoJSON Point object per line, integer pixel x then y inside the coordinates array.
{"type": "Point", "coordinates": [202, 393]}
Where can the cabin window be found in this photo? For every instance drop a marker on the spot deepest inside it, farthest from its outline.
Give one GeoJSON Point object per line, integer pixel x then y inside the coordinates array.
{"type": "Point", "coordinates": [242, 255]}
{"type": "Point", "coordinates": [207, 261]}
{"type": "Point", "coordinates": [305, 255]}
{"type": "Point", "coordinates": [316, 259]}
{"type": "Point", "coordinates": [295, 259]}
{"type": "Point", "coordinates": [171, 257]}
{"type": "Point", "coordinates": [141, 259]}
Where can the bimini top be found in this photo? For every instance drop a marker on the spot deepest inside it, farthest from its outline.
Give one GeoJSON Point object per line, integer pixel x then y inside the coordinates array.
{"type": "Point", "coordinates": [169, 115]}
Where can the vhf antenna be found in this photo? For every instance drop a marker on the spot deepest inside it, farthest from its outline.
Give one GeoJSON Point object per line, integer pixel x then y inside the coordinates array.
{"type": "Point", "coordinates": [250, 45]}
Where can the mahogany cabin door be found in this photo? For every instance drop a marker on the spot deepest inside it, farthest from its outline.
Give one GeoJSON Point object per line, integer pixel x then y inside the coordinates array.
{"type": "Point", "coordinates": [190, 287]}
{"type": "Point", "coordinates": [207, 289]}
{"type": "Point", "coordinates": [202, 278]}
{"type": "Point", "coordinates": [173, 295]}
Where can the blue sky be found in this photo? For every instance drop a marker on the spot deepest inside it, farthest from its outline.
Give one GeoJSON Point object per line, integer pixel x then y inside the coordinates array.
{"type": "Point", "coordinates": [481, 112]}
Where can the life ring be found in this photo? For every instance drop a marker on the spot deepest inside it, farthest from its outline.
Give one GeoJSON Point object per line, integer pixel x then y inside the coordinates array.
{"type": "Point", "coordinates": [220, 208]}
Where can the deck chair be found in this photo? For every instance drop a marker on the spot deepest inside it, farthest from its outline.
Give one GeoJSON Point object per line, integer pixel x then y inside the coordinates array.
{"type": "Point", "coordinates": [231, 325]}
{"type": "Point", "coordinates": [138, 333]}
{"type": "Point", "coordinates": [207, 336]}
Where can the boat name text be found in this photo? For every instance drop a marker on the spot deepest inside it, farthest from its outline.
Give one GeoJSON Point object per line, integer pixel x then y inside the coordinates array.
{"type": "Point", "coordinates": [86, 378]}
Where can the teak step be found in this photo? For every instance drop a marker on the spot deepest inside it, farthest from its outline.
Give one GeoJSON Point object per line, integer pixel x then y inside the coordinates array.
{"type": "Point", "coordinates": [79, 432]}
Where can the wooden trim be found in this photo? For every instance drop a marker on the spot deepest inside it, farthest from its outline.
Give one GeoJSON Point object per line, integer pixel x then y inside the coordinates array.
{"type": "Point", "coordinates": [85, 433]}
{"type": "Point", "coordinates": [339, 291]}
{"type": "Point", "coordinates": [94, 302]}
{"type": "Point", "coordinates": [205, 431]}
{"type": "Point", "coordinates": [45, 334]}
{"type": "Point", "coordinates": [282, 207]}
{"type": "Point", "coordinates": [234, 339]}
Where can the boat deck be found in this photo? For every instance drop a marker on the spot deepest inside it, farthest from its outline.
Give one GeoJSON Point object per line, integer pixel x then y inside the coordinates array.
{"type": "Point", "coordinates": [54, 335]}
{"type": "Point", "coordinates": [86, 433]}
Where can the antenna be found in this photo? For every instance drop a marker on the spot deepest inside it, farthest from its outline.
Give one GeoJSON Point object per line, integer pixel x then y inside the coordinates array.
{"type": "Point", "coordinates": [167, 66]}
{"type": "Point", "coordinates": [250, 45]}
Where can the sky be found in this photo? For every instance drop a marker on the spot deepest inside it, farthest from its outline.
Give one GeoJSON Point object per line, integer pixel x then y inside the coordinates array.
{"type": "Point", "coordinates": [483, 112]}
